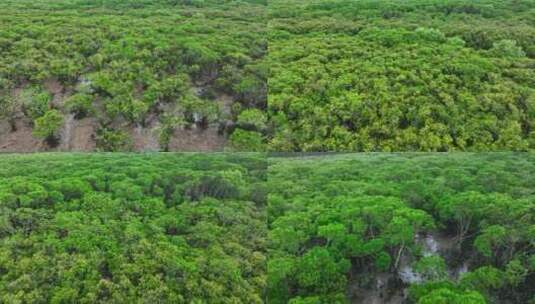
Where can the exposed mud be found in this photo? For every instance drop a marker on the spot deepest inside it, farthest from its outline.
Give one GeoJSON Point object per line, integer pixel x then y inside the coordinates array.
{"type": "Point", "coordinates": [58, 91]}
{"type": "Point", "coordinates": [145, 139]}
{"type": "Point", "coordinates": [78, 135]}
{"type": "Point", "coordinates": [225, 101]}
{"type": "Point", "coordinates": [20, 140]}
{"type": "Point", "coordinates": [197, 140]}
{"type": "Point", "coordinates": [383, 289]}
{"type": "Point", "coordinates": [66, 132]}
{"type": "Point", "coordinates": [53, 86]}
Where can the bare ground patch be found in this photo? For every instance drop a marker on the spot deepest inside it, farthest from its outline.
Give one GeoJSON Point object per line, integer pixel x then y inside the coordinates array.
{"type": "Point", "coordinates": [197, 140]}
{"type": "Point", "coordinates": [78, 135]}
{"type": "Point", "coordinates": [145, 139]}
{"type": "Point", "coordinates": [225, 101]}
{"type": "Point", "coordinates": [20, 140]}
{"type": "Point", "coordinates": [58, 91]}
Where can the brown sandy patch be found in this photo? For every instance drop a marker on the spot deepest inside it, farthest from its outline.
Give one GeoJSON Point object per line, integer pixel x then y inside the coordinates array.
{"type": "Point", "coordinates": [78, 135]}
{"type": "Point", "coordinates": [197, 140]}
{"type": "Point", "coordinates": [20, 140]}
{"type": "Point", "coordinates": [145, 139]}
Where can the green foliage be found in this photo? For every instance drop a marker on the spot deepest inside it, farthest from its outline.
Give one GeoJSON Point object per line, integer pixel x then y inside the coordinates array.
{"type": "Point", "coordinates": [254, 118]}
{"type": "Point", "coordinates": [113, 140]}
{"type": "Point", "coordinates": [80, 104]}
{"type": "Point", "coordinates": [516, 273]}
{"type": "Point", "coordinates": [507, 48]}
{"type": "Point", "coordinates": [106, 228]}
{"type": "Point", "coordinates": [242, 140]}
{"type": "Point", "coordinates": [383, 261]}
{"type": "Point", "coordinates": [116, 226]}
{"type": "Point", "coordinates": [169, 124]}
{"type": "Point", "coordinates": [48, 125]}
{"type": "Point", "coordinates": [447, 296]}
{"type": "Point", "coordinates": [431, 268]}
{"type": "Point", "coordinates": [134, 62]}
{"type": "Point", "coordinates": [417, 75]}
{"type": "Point", "coordinates": [35, 102]}
{"type": "Point", "coordinates": [317, 270]}
{"type": "Point", "coordinates": [211, 186]}
{"type": "Point", "coordinates": [490, 238]}
{"type": "Point", "coordinates": [483, 278]}
{"type": "Point", "coordinates": [341, 225]}
{"type": "Point", "coordinates": [8, 109]}
{"type": "Point", "coordinates": [197, 111]}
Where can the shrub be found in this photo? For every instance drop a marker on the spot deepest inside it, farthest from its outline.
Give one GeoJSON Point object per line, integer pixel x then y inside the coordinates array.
{"type": "Point", "coordinates": [211, 186]}
{"type": "Point", "coordinates": [507, 48]}
{"type": "Point", "coordinates": [35, 103]}
{"type": "Point", "coordinates": [80, 104]}
{"type": "Point", "coordinates": [47, 127]}
{"type": "Point", "coordinates": [252, 118]}
{"type": "Point", "coordinates": [246, 141]}
{"type": "Point", "coordinates": [113, 140]}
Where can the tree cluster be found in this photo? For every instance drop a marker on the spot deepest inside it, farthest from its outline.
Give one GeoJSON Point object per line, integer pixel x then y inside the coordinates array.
{"type": "Point", "coordinates": [120, 228]}
{"type": "Point", "coordinates": [340, 226]}
{"type": "Point", "coordinates": [418, 75]}
{"type": "Point", "coordinates": [127, 63]}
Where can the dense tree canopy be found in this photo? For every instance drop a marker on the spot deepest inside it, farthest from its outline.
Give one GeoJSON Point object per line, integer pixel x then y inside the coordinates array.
{"type": "Point", "coordinates": [195, 228]}
{"type": "Point", "coordinates": [417, 75]}
{"type": "Point", "coordinates": [384, 228]}
{"type": "Point", "coordinates": [118, 228]}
